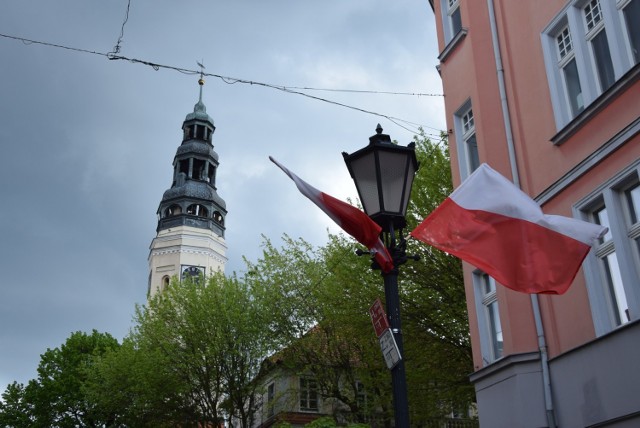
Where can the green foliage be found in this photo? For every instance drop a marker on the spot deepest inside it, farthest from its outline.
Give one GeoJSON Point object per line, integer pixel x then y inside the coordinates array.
{"type": "Point", "coordinates": [16, 409]}
{"type": "Point", "coordinates": [135, 387]}
{"type": "Point", "coordinates": [329, 422]}
{"type": "Point", "coordinates": [210, 340]}
{"type": "Point", "coordinates": [56, 397]}
{"type": "Point", "coordinates": [324, 422]}
{"type": "Point", "coordinates": [333, 289]}
{"type": "Point", "coordinates": [283, 279]}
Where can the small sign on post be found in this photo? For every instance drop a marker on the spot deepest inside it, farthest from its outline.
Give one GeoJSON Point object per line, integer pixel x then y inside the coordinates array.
{"type": "Point", "coordinates": [388, 344]}
{"type": "Point", "coordinates": [378, 318]}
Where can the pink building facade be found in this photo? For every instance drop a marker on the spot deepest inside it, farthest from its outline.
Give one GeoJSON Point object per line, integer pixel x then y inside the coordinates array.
{"type": "Point", "coordinates": [548, 94]}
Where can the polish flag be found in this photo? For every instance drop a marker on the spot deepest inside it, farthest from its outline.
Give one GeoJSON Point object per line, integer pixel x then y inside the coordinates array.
{"type": "Point", "coordinates": [490, 223]}
{"type": "Point", "coordinates": [353, 221]}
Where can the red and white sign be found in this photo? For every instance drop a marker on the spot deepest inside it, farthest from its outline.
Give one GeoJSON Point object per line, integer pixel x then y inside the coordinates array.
{"type": "Point", "coordinates": [378, 318]}
{"type": "Point", "coordinates": [388, 344]}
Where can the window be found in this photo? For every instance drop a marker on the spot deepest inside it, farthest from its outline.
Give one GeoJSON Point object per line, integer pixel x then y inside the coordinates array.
{"type": "Point", "coordinates": [197, 210]}
{"type": "Point", "coordinates": [571, 79]}
{"type": "Point", "coordinates": [173, 210]}
{"type": "Point", "coordinates": [469, 136]}
{"type": "Point", "coordinates": [451, 19]}
{"type": "Point", "coordinates": [217, 217]}
{"type": "Point", "coordinates": [467, 145]}
{"type": "Point", "coordinates": [612, 269]}
{"type": "Point", "coordinates": [491, 341]}
{"type": "Point", "coordinates": [586, 51]}
{"type": "Point", "coordinates": [308, 394]}
{"type": "Point", "coordinates": [631, 13]}
{"type": "Point", "coordinates": [597, 37]}
{"type": "Point", "coordinates": [454, 16]}
{"type": "Point", "coordinates": [606, 252]}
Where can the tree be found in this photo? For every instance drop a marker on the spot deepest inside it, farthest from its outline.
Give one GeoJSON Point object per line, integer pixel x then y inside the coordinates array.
{"type": "Point", "coordinates": [332, 290]}
{"type": "Point", "coordinates": [208, 337]}
{"type": "Point", "coordinates": [56, 398]}
{"type": "Point", "coordinates": [136, 387]}
{"type": "Point", "coordinates": [16, 410]}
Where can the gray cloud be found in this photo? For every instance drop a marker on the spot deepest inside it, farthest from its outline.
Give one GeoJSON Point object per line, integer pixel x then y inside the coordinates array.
{"type": "Point", "coordinates": [87, 143]}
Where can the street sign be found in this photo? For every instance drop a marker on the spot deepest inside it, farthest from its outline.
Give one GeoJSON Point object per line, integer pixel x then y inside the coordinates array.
{"type": "Point", "coordinates": [378, 318]}
{"type": "Point", "coordinates": [388, 344]}
{"type": "Point", "coordinates": [390, 350]}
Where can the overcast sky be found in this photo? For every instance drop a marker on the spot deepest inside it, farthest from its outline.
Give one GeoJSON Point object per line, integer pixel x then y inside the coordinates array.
{"type": "Point", "coordinates": [87, 142]}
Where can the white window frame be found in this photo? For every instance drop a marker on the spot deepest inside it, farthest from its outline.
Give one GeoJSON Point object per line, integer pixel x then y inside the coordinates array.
{"type": "Point", "coordinates": [466, 129]}
{"type": "Point", "coordinates": [447, 7]}
{"type": "Point", "coordinates": [623, 238]}
{"type": "Point", "coordinates": [597, 29]}
{"type": "Point", "coordinates": [483, 301]}
{"type": "Point", "coordinates": [572, 16]}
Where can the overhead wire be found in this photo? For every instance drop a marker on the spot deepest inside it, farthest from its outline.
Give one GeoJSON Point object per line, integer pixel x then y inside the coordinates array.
{"type": "Point", "coordinates": [365, 91]}
{"type": "Point", "coordinates": [116, 48]}
{"type": "Point", "coordinates": [402, 123]}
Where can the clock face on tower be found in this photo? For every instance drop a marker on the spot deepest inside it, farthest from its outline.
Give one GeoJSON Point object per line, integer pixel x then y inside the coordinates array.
{"type": "Point", "coordinates": [191, 271]}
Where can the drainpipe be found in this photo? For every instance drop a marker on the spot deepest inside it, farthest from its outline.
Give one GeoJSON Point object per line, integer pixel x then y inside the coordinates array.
{"type": "Point", "coordinates": [535, 304]}
{"type": "Point", "coordinates": [544, 360]}
{"type": "Point", "coordinates": [503, 95]}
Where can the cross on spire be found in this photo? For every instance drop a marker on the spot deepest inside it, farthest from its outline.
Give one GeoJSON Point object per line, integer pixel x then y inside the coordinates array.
{"type": "Point", "coordinates": [201, 80]}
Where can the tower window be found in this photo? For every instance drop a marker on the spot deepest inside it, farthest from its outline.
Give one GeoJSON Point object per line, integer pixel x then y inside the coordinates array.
{"type": "Point", "coordinates": [200, 132]}
{"type": "Point", "coordinates": [198, 169]}
{"type": "Point", "coordinates": [173, 210]}
{"type": "Point", "coordinates": [184, 166]}
{"type": "Point", "coordinates": [197, 210]}
{"type": "Point", "coordinates": [217, 217]}
{"type": "Point", "coordinates": [165, 282]}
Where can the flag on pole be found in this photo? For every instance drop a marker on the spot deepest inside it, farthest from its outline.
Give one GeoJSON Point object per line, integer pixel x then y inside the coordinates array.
{"type": "Point", "coordinates": [352, 220]}
{"type": "Point", "coordinates": [490, 223]}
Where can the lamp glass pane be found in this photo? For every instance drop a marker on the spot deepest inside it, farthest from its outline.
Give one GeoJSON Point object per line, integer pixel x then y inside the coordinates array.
{"type": "Point", "coordinates": [408, 183]}
{"type": "Point", "coordinates": [364, 172]}
{"type": "Point", "coordinates": [392, 171]}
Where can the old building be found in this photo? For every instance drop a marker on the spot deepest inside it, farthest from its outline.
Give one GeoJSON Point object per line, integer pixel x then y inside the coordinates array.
{"type": "Point", "coordinates": [547, 93]}
{"type": "Point", "coordinates": [191, 216]}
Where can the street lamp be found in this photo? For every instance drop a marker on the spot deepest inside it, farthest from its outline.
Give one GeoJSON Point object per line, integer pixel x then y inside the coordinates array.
{"type": "Point", "coordinates": [383, 173]}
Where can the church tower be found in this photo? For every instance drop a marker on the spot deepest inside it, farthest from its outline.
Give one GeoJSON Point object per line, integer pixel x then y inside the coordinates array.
{"type": "Point", "coordinates": [191, 215]}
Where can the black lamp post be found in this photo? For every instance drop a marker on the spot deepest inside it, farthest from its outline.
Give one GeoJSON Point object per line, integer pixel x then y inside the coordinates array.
{"type": "Point", "coordinates": [383, 173]}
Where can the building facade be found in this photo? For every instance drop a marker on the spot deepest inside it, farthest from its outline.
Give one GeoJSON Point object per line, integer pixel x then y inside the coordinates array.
{"type": "Point", "coordinates": [191, 215]}
{"type": "Point", "coordinates": [548, 94]}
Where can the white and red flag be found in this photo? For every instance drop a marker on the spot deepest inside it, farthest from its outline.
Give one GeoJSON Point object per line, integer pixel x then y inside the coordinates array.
{"type": "Point", "coordinates": [490, 223]}
{"type": "Point", "coordinates": [352, 220]}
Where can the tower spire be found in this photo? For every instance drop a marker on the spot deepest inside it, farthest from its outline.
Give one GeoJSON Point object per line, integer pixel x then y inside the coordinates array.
{"type": "Point", "coordinates": [191, 215]}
